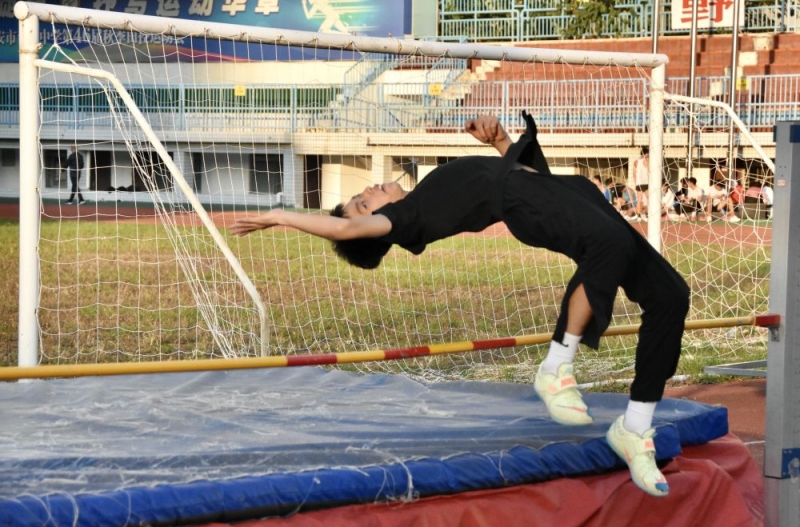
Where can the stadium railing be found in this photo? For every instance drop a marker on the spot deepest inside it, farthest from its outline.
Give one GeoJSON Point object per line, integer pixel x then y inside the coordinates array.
{"type": "Point", "coordinates": [528, 20]}
{"type": "Point", "coordinates": [296, 107]}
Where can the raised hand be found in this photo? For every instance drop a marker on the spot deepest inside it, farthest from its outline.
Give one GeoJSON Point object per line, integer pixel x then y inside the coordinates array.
{"type": "Point", "coordinates": [246, 225]}
{"type": "Point", "coordinates": [486, 129]}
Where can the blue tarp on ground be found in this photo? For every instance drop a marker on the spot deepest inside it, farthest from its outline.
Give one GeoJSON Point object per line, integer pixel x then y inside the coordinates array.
{"type": "Point", "coordinates": [239, 444]}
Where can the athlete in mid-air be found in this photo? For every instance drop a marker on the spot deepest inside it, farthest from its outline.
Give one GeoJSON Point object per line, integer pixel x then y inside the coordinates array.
{"type": "Point", "coordinates": [565, 214]}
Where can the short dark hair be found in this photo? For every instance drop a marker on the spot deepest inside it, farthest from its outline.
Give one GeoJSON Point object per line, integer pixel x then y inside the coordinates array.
{"type": "Point", "coordinates": [365, 253]}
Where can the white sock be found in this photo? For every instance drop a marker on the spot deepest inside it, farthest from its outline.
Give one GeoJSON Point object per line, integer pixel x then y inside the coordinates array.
{"type": "Point", "coordinates": [639, 417]}
{"type": "Point", "coordinates": [560, 352]}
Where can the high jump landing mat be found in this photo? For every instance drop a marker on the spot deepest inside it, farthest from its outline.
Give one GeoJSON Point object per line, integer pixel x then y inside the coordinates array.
{"type": "Point", "coordinates": [309, 446]}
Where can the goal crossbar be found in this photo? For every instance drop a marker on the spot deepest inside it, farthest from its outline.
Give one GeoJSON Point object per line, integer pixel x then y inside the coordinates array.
{"type": "Point", "coordinates": [216, 30]}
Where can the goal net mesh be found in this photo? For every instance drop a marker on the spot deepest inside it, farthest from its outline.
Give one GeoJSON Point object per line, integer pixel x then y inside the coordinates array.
{"type": "Point", "coordinates": [134, 274]}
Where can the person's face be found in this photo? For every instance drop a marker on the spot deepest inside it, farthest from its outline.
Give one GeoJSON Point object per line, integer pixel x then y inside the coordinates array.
{"type": "Point", "coordinates": [373, 198]}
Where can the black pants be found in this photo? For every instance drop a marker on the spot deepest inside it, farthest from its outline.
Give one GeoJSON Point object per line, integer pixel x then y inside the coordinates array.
{"type": "Point", "coordinates": [74, 177]}
{"type": "Point", "coordinates": [609, 254]}
{"type": "Point", "coordinates": [662, 294]}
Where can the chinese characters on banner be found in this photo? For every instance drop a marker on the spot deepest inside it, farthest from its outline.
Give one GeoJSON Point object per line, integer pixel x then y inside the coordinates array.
{"type": "Point", "coordinates": [357, 17]}
{"type": "Point", "coordinates": [177, 8]}
{"type": "Point", "coordinates": [710, 13]}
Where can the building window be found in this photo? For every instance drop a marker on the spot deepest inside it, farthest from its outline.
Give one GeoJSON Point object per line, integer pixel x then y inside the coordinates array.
{"type": "Point", "coordinates": [148, 165]}
{"type": "Point", "coordinates": [266, 174]}
{"type": "Point", "coordinates": [53, 167]}
{"type": "Point", "coordinates": [8, 157]}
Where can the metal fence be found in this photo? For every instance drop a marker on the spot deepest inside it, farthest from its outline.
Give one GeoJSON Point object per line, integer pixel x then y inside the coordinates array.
{"type": "Point", "coordinates": [528, 20]}
{"type": "Point", "coordinates": [596, 105]}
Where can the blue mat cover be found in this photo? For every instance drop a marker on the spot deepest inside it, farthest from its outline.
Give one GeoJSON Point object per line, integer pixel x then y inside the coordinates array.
{"type": "Point", "coordinates": [223, 446]}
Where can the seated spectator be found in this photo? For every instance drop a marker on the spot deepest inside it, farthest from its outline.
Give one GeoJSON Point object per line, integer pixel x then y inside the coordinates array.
{"type": "Point", "coordinates": [680, 195]}
{"type": "Point", "coordinates": [758, 193]}
{"type": "Point", "coordinates": [613, 195]}
{"type": "Point", "coordinates": [754, 192]}
{"type": "Point", "coordinates": [768, 197]}
{"type": "Point", "coordinates": [604, 189]}
{"type": "Point", "coordinates": [668, 200]}
{"type": "Point", "coordinates": [628, 203]}
{"type": "Point", "coordinates": [691, 201]}
{"type": "Point", "coordinates": [619, 196]}
{"type": "Point", "coordinates": [736, 193]}
{"type": "Point", "coordinates": [718, 200]}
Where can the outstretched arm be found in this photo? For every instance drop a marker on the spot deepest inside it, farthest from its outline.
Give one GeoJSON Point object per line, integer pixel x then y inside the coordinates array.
{"type": "Point", "coordinates": [328, 227]}
{"type": "Point", "coordinates": [488, 130]}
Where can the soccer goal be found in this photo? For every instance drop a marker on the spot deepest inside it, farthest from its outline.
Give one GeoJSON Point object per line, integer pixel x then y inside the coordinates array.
{"type": "Point", "coordinates": [186, 125]}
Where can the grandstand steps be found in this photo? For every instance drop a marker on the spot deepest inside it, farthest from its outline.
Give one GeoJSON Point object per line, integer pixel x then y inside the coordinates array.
{"type": "Point", "coordinates": [481, 69]}
{"type": "Point", "coordinates": [770, 69]}
{"type": "Point", "coordinates": [759, 54]}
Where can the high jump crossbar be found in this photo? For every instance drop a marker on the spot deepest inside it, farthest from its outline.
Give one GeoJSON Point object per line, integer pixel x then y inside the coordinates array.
{"type": "Point", "coordinates": [350, 357]}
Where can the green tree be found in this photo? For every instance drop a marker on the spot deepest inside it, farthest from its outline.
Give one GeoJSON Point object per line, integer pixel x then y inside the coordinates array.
{"type": "Point", "coordinates": [594, 19]}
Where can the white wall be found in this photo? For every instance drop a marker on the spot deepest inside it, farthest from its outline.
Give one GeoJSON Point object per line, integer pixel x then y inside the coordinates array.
{"type": "Point", "coordinates": [343, 178]}
{"type": "Point", "coordinates": [331, 185]}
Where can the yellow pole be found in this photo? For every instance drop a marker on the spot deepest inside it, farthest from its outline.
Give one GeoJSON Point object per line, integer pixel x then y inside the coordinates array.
{"type": "Point", "coordinates": [132, 368]}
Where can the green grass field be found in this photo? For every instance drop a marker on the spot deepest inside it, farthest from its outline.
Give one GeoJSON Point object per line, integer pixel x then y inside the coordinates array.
{"type": "Point", "coordinates": [116, 293]}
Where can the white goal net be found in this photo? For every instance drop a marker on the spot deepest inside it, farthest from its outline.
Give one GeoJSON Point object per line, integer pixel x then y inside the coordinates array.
{"type": "Point", "coordinates": [183, 127]}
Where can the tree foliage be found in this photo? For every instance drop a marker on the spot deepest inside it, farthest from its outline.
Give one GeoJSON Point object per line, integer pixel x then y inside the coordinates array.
{"type": "Point", "coordinates": [595, 19]}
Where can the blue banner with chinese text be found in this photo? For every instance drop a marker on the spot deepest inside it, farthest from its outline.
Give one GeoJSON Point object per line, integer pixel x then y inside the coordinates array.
{"type": "Point", "coordinates": [357, 17]}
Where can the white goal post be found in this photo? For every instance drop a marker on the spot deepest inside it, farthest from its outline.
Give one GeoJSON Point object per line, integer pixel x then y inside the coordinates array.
{"type": "Point", "coordinates": [108, 292]}
{"type": "Point", "coordinates": [31, 14]}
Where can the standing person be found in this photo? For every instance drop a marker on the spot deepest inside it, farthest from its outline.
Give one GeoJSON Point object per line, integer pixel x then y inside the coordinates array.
{"type": "Point", "coordinates": [74, 168]}
{"type": "Point", "coordinates": [471, 193]}
{"type": "Point", "coordinates": [641, 178]}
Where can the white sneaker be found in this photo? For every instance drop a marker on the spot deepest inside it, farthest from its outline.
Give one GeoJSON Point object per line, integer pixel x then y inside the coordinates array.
{"type": "Point", "coordinates": [561, 396]}
{"type": "Point", "coordinates": [734, 219]}
{"type": "Point", "coordinates": [639, 452]}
